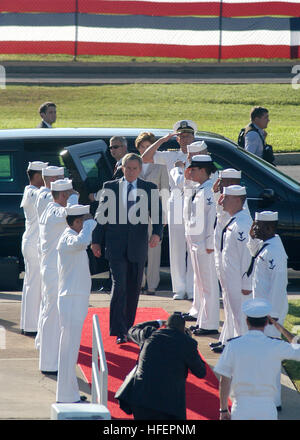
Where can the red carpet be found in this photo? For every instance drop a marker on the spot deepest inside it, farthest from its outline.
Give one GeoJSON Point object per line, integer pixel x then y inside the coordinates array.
{"type": "Point", "coordinates": [202, 399]}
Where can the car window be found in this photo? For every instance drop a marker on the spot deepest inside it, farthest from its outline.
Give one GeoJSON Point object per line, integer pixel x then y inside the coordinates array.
{"type": "Point", "coordinates": [6, 173]}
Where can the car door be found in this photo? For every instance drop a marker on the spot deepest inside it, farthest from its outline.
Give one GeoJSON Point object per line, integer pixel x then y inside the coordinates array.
{"type": "Point", "coordinates": [89, 168]}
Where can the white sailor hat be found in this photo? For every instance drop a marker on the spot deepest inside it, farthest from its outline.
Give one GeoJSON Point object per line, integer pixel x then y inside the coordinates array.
{"type": "Point", "coordinates": [53, 170]}
{"type": "Point", "coordinates": [200, 160]}
{"type": "Point", "coordinates": [78, 209]}
{"type": "Point", "coordinates": [256, 307]}
{"type": "Point", "coordinates": [185, 125]}
{"type": "Point", "coordinates": [234, 190]}
{"type": "Point", "coordinates": [61, 185]}
{"type": "Point", "coordinates": [266, 216]}
{"type": "Point", "coordinates": [196, 147]}
{"type": "Point", "coordinates": [230, 173]}
{"type": "Point", "coordinates": [37, 166]}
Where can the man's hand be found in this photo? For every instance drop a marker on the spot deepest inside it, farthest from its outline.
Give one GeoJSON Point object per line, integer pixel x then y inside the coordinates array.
{"type": "Point", "coordinates": [246, 292]}
{"type": "Point", "coordinates": [216, 185]}
{"type": "Point", "coordinates": [96, 249]}
{"type": "Point", "coordinates": [209, 251]}
{"type": "Point", "coordinates": [220, 200]}
{"type": "Point", "coordinates": [154, 240]}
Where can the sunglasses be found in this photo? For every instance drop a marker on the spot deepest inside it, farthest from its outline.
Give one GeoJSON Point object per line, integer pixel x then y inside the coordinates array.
{"type": "Point", "coordinates": [114, 147]}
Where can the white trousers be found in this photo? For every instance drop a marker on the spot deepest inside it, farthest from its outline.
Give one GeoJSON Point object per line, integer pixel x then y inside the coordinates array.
{"type": "Point", "coordinates": [31, 294]}
{"type": "Point", "coordinates": [253, 408]}
{"type": "Point", "coordinates": [50, 329]}
{"type": "Point", "coordinates": [180, 259]}
{"type": "Point", "coordinates": [194, 310]}
{"type": "Point", "coordinates": [227, 331]}
{"type": "Point", "coordinates": [236, 299]}
{"type": "Point", "coordinates": [207, 287]}
{"type": "Point", "coordinates": [72, 312]}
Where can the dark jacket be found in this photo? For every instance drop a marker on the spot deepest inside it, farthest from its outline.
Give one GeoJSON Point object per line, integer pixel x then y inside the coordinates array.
{"type": "Point", "coordinates": [159, 382]}
{"type": "Point", "coordinates": [126, 238]}
{"type": "Point", "coordinates": [42, 125]}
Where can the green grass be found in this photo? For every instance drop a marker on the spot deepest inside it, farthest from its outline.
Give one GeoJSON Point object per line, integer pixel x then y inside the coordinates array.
{"type": "Point", "coordinates": [292, 324]}
{"type": "Point", "coordinates": [128, 59]}
{"type": "Point", "coordinates": [218, 108]}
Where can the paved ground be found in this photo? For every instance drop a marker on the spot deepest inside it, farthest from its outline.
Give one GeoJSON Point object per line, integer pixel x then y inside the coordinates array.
{"type": "Point", "coordinates": [28, 395]}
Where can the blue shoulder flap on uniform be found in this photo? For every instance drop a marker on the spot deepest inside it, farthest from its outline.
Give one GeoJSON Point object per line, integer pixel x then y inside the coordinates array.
{"type": "Point", "coordinates": [272, 337]}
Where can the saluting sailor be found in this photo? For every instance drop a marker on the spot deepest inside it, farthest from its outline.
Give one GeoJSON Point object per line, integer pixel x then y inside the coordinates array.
{"type": "Point", "coordinates": [235, 256]}
{"type": "Point", "coordinates": [52, 225]}
{"type": "Point", "coordinates": [180, 259]}
{"type": "Point", "coordinates": [200, 233]}
{"type": "Point", "coordinates": [177, 173]}
{"type": "Point", "coordinates": [74, 286]}
{"type": "Point", "coordinates": [227, 177]}
{"type": "Point", "coordinates": [270, 276]}
{"type": "Point", "coordinates": [249, 366]}
{"type": "Point", "coordinates": [31, 293]}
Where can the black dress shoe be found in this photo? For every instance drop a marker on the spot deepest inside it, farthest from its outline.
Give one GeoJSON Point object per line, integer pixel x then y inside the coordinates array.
{"type": "Point", "coordinates": [49, 373]}
{"type": "Point", "coordinates": [194, 327]}
{"type": "Point", "coordinates": [218, 349]}
{"type": "Point", "coordinates": [121, 339]}
{"type": "Point", "coordinates": [204, 332]}
{"type": "Point", "coordinates": [29, 333]}
{"type": "Point", "coordinates": [188, 317]}
{"type": "Point", "coordinates": [215, 344]}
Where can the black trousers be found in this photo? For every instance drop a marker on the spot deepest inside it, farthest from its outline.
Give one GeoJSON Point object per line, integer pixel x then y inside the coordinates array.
{"type": "Point", "coordinates": [126, 285]}
{"type": "Point", "coordinates": [140, 413]}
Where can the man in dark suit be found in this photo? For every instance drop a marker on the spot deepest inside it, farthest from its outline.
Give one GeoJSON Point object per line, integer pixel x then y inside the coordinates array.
{"type": "Point", "coordinates": [156, 390]}
{"type": "Point", "coordinates": [122, 215]}
{"type": "Point", "coordinates": [48, 114]}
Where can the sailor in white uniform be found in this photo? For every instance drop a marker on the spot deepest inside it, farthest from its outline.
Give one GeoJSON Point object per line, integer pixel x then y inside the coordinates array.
{"type": "Point", "coordinates": [74, 286]}
{"type": "Point", "coordinates": [235, 255]}
{"type": "Point", "coordinates": [200, 214]}
{"type": "Point", "coordinates": [180, 260]}
{"type": "Point", "coordinates": [270, 276]}
{"type": "Point", "coordinates": [31, 292]}
{"type": "Point", "coordinates": [249, 366]}
{"type": "Point", "coordinates": [177, 174]}
{"type": "Point", "coordinates": [50, 174]}
{"type": "Point", "coordinates": [227, 177]}
{"type": "Point", "coordinates": [52, 225]}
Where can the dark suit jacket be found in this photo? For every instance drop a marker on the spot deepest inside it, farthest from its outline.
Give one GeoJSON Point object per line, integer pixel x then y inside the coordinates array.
{"type": "Point", "coordinates": [42, 125]}
{"type": "Point", "coordinates": [129, 239]}
{"type": "Point", "coordinates": [159, 382]}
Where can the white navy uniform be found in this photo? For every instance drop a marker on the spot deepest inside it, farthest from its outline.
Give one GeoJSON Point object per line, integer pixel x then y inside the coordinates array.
{"type": "Point", "coordinates": [235, 262]}
{"type": "Point", "coordinates": [253, 362]}
{"type": "Point", "coordinates": [181, 267]}
{"type": "Point", "coordinates": [31, 293]}
{"type": "Point", "coordinates": [223, 218]}
{"type": "Point", "coordinates": [270, 281]}
{"type": "Point", "coordinates": [44, 197]}
{"type": "Point", "coordinates": [74, 286]}
{"type": "Point", "coordinates": [52, 225]}
{"type": "Point", "coordinates": [202, 211]}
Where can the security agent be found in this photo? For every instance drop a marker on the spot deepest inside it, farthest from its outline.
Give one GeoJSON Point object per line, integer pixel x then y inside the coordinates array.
{"type": "Point", "coordinates": [156, 389]}
{"type": "Point", "coordinates": [249, 365]}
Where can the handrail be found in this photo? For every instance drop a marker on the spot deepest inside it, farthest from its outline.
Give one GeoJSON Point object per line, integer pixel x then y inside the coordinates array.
{"type": "Point", "coordinates": [99, 376]}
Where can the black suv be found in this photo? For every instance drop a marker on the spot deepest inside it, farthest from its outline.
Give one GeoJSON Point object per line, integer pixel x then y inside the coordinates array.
{"type": "Point", "coordinates": [84, 153]}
